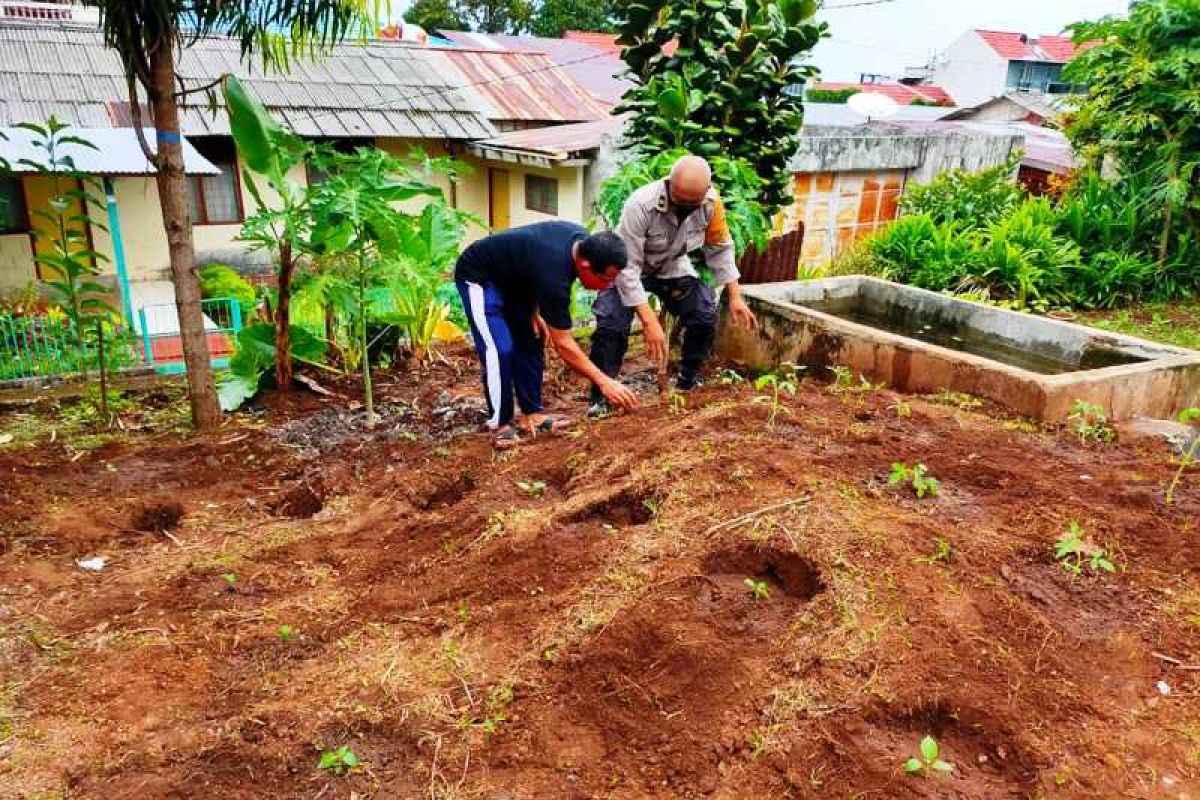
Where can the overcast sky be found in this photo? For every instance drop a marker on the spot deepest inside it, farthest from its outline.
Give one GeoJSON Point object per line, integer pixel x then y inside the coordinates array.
{"type": "Point", "coordinates": [895, 34]}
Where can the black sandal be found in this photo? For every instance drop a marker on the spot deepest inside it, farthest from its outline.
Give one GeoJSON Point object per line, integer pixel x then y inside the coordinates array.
{"type": "Point", "coordinates": [551, 424]}
{"type": "Point", "coordinates": [507, 438]}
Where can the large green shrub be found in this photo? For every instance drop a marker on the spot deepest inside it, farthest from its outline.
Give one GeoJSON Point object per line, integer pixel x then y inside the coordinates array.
{"type": "Point", "coordinates": [724, 91]}
{"type": "Point", "coordinates": [982, 235]}
{"type": "Point", "coordinates": [736, 180]}
{"type": "Point", "coordinates": [219, 280]}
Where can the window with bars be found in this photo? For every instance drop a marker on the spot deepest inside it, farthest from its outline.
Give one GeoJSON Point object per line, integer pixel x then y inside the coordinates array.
{"type": "Point", "coordinates": [541, 194]}
{"type": "Point", "coordinates": [216, 199]}
{"type": "Point", "coordinates": [13, 215]}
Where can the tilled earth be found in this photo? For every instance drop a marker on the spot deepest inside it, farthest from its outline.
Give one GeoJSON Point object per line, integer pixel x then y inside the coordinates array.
{"type": "Point", "coordinates": [679, 602]}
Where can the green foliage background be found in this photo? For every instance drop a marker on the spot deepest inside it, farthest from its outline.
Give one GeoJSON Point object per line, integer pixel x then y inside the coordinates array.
{"type": "Point", "coordinates": [723, 92]}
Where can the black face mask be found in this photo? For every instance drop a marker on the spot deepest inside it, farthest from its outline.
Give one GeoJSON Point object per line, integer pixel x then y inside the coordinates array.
{"type": "Point", "coordinates": [682, 210]}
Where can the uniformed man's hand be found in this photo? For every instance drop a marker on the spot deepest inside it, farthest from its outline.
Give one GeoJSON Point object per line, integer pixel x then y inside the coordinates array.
{"type": "Point", "coordinates": [618, 394]}
{"type": "Point", "coordinates": [741, 314]}
{"type": "Point", "coordinates": [540, 329]}
{"type": "Point", "coordinates": [656, 340]}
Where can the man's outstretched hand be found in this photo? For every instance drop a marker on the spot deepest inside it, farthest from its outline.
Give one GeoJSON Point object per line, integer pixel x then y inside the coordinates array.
{"type": "Point", "coordinates": [656, 340]}
{"type": "Point", "coordinates": [741, 314]}
{"type": "Point", "coordinates": [618, 394]}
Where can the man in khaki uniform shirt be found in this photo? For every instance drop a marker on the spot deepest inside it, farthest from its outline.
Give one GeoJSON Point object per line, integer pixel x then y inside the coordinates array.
{"type": "Point", "coordinates": [661, 223]}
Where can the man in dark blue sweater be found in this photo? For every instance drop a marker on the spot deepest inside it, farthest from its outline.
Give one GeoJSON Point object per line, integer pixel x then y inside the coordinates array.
{"type": "Point", "coordinates": [516, 291]}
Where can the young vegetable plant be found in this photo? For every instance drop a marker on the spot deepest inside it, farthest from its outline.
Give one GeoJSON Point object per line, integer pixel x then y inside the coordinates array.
{"type": "Point", "coordinates": [1090, 423]}
{"type": "Point", "coordinates": [1073, 551]}
{"type": "Point", "coordinates": [759, 590]}
{"type": "Point", "coordinates": [1190, 416]}
{"type": "Point", "coordinates": [928, 760]}
{"type": "Point", "coordinates": [339, 761]}
{"type": "Point", "coordinates": [778, 385]}
{"type": "Point", "coordinates": [287, 634]}
{"type": "Point", "coordinates": [923, 484]}
{"type": "Point", "coordinates": [844, 382]}
{"type": "Point", "coordinates": [534, 489]}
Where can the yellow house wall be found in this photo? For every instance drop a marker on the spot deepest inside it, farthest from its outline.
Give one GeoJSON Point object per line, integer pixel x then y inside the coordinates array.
{"type": "Point", "coordinates": [146, 242]}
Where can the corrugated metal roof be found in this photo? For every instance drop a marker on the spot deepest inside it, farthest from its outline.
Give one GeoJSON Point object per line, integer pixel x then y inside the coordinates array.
{"type": "Point", "coordinates": [67, 71]}
{"type": "Point", "coordinates": [117, 152]}
{"type": "Point", "coordinates": [555, 142]}
{"type": "Point", "coordinates": [523, 86]}
{"type": "Point", "coordinates": [598, 70]}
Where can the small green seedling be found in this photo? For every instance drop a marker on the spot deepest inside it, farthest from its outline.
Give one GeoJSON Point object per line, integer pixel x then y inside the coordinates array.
{"type": "Point", "coordinates": [229, 577]}
{"type": "Point", "coordinates": [759, 590]}
{"type": "Point", "coordinates": [777, 385]}
{"type": "Point", "coordinates": [464, 613]}
{"type": "Point", "coordinates": [1189, 416]}
{"type": "Point", "coordinates": [287, 634]}
{"type": "Point", "coordinates": [1072, 551]}
{"type": "Point", "coordinates": [941, 553]}
{"type": "Point", "coordinates": [901, 409]}
{"type": "Point", "coordinates": [918, 477]}
{"type": "Point", "coordinates": [928, 760]}
{"type": "Point", "coordinates": [844, 381]}
{"type": "Point", "coordinates": [1090, 423]}
{"type": "Point", "coordinates": [441, 452]}
{"type": "Point", "coordinates": [339, 761]}
{"type": "Point", "coordinates": [730, 377]}
{"type": "Point", "coordinates": [676, 402]}
{"type": "Point", "coordinates": [533, 489]}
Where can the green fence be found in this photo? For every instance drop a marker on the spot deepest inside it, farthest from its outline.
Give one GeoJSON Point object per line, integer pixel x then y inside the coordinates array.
{"type": "Point", "coordinates": [162, 344]}
{"type": "Point", "coordinates": [44, 346]}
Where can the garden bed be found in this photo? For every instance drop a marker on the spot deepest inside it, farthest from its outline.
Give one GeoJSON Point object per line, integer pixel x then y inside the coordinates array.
{"type": "Point", "coordinates": [679, 602]}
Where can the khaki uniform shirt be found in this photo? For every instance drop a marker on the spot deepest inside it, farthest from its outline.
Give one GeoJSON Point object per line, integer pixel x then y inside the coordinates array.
{"type": "Point", "coordinates": [659, 243]}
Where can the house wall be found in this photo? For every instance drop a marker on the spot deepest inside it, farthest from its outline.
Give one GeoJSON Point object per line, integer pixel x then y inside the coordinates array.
{"type": "Point", "coordinates": [971, 71]}
{"type": "Point", "coordinates": [839, 208]}
{"type": "Point", "coordinates": [16, 261]}
{"type": "Point", "coordinates": [571, 190]}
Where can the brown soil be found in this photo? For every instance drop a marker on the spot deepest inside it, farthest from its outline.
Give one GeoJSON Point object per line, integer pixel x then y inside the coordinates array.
{"type": "Point", "coordinates": [595, 635]}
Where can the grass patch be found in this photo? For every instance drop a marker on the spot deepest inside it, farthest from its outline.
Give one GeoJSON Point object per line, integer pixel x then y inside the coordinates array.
{"type": "Point", "coordinates": [1175, 323]}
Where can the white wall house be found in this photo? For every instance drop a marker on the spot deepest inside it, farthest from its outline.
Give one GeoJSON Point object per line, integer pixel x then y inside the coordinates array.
{"type": "Point", "coordinates": [981, 65]}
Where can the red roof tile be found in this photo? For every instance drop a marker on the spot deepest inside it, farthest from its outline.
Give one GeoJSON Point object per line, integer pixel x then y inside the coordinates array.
{"type": "Point", "coordinates": [607, 41]}
{"type": "Point", "coordinates": [1018, 47]}
{"type": "Point", "coordinates": [902, 94]}
{"type": "Point", "coordinates": [1014, 46]}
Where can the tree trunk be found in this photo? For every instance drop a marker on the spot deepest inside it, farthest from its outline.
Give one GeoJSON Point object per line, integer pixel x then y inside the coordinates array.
{"type": "Point", "coordinates": [283, 318]}
{"type": "Point", "coordinates": [172, 195]}
{"type": "Point", "coordinates": [1164, 244]}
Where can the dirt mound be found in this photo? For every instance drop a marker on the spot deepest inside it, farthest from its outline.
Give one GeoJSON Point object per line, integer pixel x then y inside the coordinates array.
{"type": "Point", "coordinates": [641, 608]}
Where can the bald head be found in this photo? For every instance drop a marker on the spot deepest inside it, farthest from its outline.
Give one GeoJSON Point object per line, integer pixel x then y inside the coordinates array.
{"type": "Point", "coordinates": [691, 178]}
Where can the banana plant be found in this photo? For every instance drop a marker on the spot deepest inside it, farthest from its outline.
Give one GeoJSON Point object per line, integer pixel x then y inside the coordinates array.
{"type": "Point", "coordinates": [354, 212]}
{"type": "Point", "coordinates": [281, 224]}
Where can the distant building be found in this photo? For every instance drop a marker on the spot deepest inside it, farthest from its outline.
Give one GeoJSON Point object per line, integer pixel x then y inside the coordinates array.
{"type": "Point", "coordinates": [903, 94]}
{"type": "Point", "coordinates": [1036, 108]}
{"type": "Point", "coordinates": [980, 65]}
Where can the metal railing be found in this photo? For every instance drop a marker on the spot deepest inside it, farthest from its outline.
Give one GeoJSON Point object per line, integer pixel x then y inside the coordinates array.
{"type": "Point", "coordinates": [43, 345]}
{"type": "Point", "coordinates": [162, 344]}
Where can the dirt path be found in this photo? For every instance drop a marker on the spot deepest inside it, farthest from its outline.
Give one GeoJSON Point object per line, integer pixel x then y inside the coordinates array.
{"type": "Point", "coordinates": [574, 620]}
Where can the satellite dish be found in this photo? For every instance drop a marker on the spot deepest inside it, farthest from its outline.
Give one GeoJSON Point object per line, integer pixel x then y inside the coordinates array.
{"type": "Point", "coordinates": [873, 105]}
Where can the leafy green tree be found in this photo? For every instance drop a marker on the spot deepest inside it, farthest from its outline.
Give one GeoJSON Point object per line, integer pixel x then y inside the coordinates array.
{"type": "Point", "coordinates": [496, 16]}
{"type": "Point", "coordinates": [148, 35]}
{"type": "Point", "coordinates": [1141, 110]}
{"type": "Point", "coordinates": [433, 15]}
{"type": "Point", "coordinates": [724, 90]}
{"type": "Point", "coordinates": [554, 17]}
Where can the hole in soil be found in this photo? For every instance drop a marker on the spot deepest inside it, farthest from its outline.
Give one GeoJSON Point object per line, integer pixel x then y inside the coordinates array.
{"type": "Point", "coordinates": [794, 575]}
{"type": "Point", "coordinates": [156, 517]}
{"type": "Point", "coordinates": [628, 507]}
{"type": "Point", "coordinates": [301, 501]}
{"type": "Point", "coordinates": [449, 493]}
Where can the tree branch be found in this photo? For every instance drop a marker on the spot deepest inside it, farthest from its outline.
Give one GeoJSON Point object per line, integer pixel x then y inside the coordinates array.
{"type": "Point", "coordinates": [135, 112]}
{"type": "Point", "coordinates": [184, 92]}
